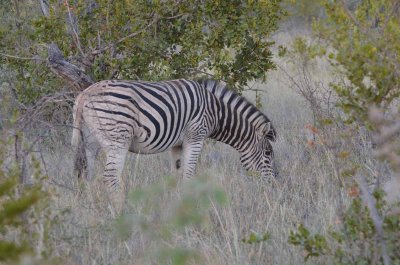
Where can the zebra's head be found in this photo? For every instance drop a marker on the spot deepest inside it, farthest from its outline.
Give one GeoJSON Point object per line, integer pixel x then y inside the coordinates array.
{"type": "Point", "coordinates": [259, 155]}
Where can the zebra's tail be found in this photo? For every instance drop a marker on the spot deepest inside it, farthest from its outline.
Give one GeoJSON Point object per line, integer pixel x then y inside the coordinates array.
{"type": "Point", "coordinates": [80, 163]}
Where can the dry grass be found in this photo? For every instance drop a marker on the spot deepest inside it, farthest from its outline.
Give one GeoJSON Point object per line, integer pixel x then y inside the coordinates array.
{"type": "Point", "coordinates": [307, 192]}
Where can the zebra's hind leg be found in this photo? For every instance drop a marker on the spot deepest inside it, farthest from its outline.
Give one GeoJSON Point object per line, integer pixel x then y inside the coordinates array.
{"type": "Point", "coordinates": [176, 160]}
{"type": "Point", "coordinates": [115, 160]}
{"type": "Point", "coordinates": [92, 155]}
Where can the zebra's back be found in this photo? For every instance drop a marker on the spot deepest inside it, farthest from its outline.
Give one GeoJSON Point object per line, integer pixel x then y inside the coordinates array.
{"type": "Point", "coordinates": [153, 115]}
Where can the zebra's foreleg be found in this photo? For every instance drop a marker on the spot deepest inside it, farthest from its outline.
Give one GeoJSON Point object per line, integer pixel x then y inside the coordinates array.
{"type": "Point", "coordinates": [176, 159]}
{"type": "Point", "coordinates": [191, 153]}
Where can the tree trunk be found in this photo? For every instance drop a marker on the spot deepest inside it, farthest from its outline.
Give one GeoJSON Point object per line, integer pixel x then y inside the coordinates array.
{"type": "Point", "coordinates": [67, 71]}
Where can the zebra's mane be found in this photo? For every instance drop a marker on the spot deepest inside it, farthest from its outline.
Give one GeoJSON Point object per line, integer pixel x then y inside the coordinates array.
{"type": "Point", "coordinates": [223, 92]}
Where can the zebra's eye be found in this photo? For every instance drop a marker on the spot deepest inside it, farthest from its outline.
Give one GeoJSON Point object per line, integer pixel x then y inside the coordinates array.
{"type": "Point", "coordinates": [268, 155]}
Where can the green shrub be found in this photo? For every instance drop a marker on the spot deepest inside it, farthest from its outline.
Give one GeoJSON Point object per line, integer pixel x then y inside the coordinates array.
{"type": "Point", "coordinates": [24, 215]}
{"type": "Point", "coordinates": [355, 240]}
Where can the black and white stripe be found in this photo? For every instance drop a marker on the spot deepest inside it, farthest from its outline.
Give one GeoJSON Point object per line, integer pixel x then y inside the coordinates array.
{"type": "Point", "coordinates": [244, 127]}
{"type": "Point", "coordinates": [152, 117]}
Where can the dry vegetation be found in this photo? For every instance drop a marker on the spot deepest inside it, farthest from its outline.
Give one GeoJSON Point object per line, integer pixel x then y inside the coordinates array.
{"type": "Point", "coordinates": [331, 173]}
{"type": "Point", "coordinates": [307, 191]}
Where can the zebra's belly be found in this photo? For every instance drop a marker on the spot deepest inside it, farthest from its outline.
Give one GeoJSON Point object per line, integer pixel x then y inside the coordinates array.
{"type": "Point", "coordinates": [144, 148]}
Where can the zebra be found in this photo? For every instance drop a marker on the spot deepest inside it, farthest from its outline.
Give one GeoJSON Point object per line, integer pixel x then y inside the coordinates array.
{"type": "Point", "coordinates": [152, 117]}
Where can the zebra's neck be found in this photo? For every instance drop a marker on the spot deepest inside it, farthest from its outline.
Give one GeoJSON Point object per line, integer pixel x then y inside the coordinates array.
{"type": "Point", "coordinates": [237, 118]}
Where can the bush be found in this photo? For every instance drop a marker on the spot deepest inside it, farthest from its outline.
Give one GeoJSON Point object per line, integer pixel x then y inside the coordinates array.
{"type": "Point", "coordinates": [355, 240]}
{"type": "Point", "coordinates": [24, 215]}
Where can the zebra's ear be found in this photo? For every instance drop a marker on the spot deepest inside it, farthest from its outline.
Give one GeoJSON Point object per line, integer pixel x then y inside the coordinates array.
{"type": "Point", "coordinates": [271, 134]}
{"type": "Point", "coordinates": [263, 130]}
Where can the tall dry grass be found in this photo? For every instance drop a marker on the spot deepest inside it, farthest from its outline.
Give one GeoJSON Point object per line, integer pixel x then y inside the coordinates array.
{"type": "Point", "coordinates": [307, 191]}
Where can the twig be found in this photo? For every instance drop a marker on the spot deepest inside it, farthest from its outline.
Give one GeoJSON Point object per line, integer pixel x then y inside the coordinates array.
{"type": "Point", "coordinates": [99, 51]}
{"type": "Point", "coordinates": [43, 161]}
{"type": "Point", "coordinates": [21, 58]}
{"type": "Point", "coordinates": [255, 89]}
{"type": "Point", "coordinates": [353, 18]}
{"type": "Point", "coordinates": [395, 9]}
{"type": "Point", "coordinates": [294, 82]}
{"type": "Point", "coordinates": [77, 41]}
{"type": "Point", "coordinates": [52, 181]}
{"type": "Point", "coordinates": [176, 16]}
{"type": "Point", "coordinates": [376, 219]}
{"type": "Point", "coordinates": [44, 5]}
{"type": "Point", "coordinates": [195, 70]}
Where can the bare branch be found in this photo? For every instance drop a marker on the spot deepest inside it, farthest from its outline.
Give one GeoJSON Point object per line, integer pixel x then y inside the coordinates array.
{"type": "Point", "coordinates": [96, 52]}
{"type": "Point", "coordinates": [69, 72]}
{"type": "Point", "coordinates": [54, 182]}
{"type": "Point", "coordinates": [395, 10]}
{"type": "Point", "coordinates": [199, 71]}
{"type": "Point", "coordinates": [176, 16]}
{"type": "Point", "coordinates": [36, 58]}
{"type": "Point", "coordinates": [72, 19]}
{"type": "Point", "coordinates": [377, 220]}
{"type": "Point", "coordinates": [255, 90]}
{"type": "Point", "coordinates": [353, 18]}
{"type": "Point", "coordinates": [294, 82]}
{"type": "Point", "coordinates": [44, 5]}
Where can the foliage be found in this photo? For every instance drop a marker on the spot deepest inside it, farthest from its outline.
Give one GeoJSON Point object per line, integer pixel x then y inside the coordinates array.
{"type": "Point", "coordinates": [22, 210]}
{"type": "Point", "coordinates": [160, 217]}
{"type": "Point", "coordinates": [314, 245]}
{"type": "Point", "coordinates": [30, 78]}
{"type": "Point", "coordinates": [139, 39]}
{"type": "Point", "coordinates": [366, 45]}
{"type": "Point", "coordinates": [256, 238]}
{"type": "Point", "coordinates": [306, 9]}
{"type": "Point", "coordinates": [355, 241]}
{"type": "Point", "coordinates": [361, 43]}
